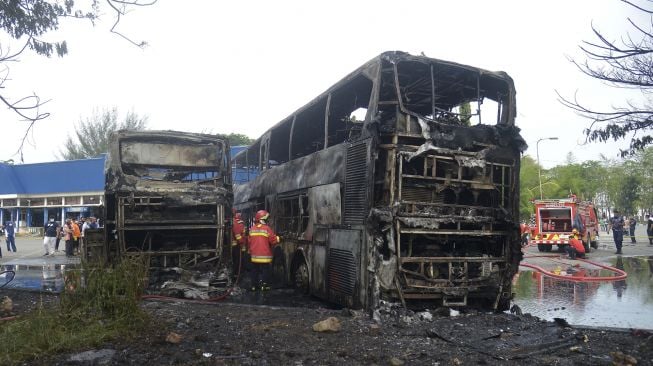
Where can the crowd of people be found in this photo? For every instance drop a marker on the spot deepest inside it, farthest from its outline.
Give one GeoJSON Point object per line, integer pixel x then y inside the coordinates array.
{"type": "Point", "coordinates": [71, 233]}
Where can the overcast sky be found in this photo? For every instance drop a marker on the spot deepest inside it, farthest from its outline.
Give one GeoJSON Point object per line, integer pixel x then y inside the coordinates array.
{"type": "Point", "coordinates": [242, 66]}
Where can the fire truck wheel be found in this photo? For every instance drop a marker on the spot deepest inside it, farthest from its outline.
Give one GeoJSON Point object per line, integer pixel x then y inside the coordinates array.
{"type": "Point", "coordinates": [543, 248]}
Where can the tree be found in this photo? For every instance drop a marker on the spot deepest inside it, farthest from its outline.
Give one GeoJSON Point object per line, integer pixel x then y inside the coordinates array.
{"type": "Point", "coordinates": [625, 64]}
{"type": "Point", "coordinates": [529, 187]}
{"type": "Point", "coordinates": [236, 139]}
{"type": "Point", "coordinates": [29, 22]}
{"type": "Point", "coordinates": [91, 136]}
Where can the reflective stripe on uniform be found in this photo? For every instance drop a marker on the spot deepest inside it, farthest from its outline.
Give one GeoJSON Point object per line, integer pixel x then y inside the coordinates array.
{"type": "Point", "coordinates": [259, 233]}
{"type": "Point", "coordinates": [261, 259]}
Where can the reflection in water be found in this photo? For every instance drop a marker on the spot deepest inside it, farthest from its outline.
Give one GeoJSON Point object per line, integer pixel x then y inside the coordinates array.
{"type": "Point", "coordinates": [619, 286]}
{"type": "Point", "coordinates": [48, 277]}
{"type": "Point", "coordinates": [591, 303]}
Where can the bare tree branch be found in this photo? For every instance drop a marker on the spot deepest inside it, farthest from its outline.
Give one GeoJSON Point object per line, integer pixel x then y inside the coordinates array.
{"type": "Point", "coordinates": [28, 20]}
{"type": "Point", "coordinates": [627, 64]}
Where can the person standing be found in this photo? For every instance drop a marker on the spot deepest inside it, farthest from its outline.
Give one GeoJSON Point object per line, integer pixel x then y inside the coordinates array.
{"type": "Point", "coordinates": [51, 231]}
{"type": "Point", "coordinates": [632, 223]}
{"type": "Point", "coordinates": [10, 232]}
{"type": "Point", "coordinates": [237, 242]}
{"type": "Point", "coordinates": [68, 236]}
{"type": "Point", "coordinates": [56, 243]}
{"type": "Point", "coordinates": [260, 242]}
{"type": "Point", "coordinates": [617, 224]}
{"type": "Point", "coordinates": [649, 229]}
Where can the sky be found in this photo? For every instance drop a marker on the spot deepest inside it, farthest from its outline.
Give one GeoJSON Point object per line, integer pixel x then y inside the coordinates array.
{"type": "Point", "coordinates": [242, 66]}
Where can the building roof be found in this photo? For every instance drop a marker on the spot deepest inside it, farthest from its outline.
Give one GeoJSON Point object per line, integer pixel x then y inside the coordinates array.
{"type": "Point", "coordinates": [85, 175]}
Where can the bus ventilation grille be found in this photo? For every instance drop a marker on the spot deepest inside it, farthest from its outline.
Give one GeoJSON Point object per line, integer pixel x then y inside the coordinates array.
{"type": "Point", "coordinates": [342, 271]}
{"type": "Point", "coordinates": [355, 184]}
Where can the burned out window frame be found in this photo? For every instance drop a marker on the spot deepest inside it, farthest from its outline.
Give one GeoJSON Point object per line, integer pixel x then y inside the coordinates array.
{"type": "Point", "coordinates": [292, 214]}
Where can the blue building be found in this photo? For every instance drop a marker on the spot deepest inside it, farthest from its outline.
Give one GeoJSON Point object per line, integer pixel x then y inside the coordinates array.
{"type": "Point", "coordinates": [31, 193]}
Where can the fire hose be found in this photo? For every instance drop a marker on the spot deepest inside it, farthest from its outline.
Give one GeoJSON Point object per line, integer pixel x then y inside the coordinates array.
{"type": "Point", "coordinates": [620, 274]}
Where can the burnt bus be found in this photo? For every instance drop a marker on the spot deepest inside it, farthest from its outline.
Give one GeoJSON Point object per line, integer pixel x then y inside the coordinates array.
{"type": "Point", "coordinates": [399, 182]}
{"type": "Point", "coordinates": [167, 196]}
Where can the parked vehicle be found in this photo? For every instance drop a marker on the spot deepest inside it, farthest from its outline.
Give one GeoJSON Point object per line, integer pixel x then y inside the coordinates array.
{"type": "Point", "coordinates": [556, 218]}
{"type": "Point", "coordinates": [168, 196]}
{"type": "Point", "coordinates": [389, 185]}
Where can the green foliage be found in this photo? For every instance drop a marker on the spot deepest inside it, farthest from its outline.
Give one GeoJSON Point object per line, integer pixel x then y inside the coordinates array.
{"type": "Point", "coordinates": [34, 18]}
{"type": "Point", "coordinates": [465, 113]}
{"type": "Point", "coordinates": [105, 308]}
{"type": "Point", "coordinates": [624, 185]}
{"type": "Point", "coordinates": [529, 184]}
{"type": "Point", "coordinates": [91, 136]}
{"type": "Point", "coordinates": [236, 139]}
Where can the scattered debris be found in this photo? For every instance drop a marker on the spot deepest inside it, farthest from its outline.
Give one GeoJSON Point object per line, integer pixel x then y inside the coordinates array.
{"type": "Point", "coordinates": [621, 359]}
{"type": "Point", "coordinates": [330, 324]}
{"type": "Point", "coordinates": [98, 357]}
{"type": "Point", "coordinates": [425, 316]}
{"type": "Point", "coordinates": [7, 306]}
{"type": "Point", "coordinates": [173, 338]}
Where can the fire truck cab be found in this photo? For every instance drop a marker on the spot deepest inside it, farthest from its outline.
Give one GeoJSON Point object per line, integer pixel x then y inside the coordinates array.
{"type": "Point", "coordinates": [556, 218]}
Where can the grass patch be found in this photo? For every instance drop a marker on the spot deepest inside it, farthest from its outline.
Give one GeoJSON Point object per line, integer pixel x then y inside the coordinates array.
{"type": "Point", "coordinates": [97, 305]}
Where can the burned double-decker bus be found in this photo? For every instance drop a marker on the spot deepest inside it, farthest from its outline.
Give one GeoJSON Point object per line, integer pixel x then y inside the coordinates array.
{"type": "Point", "coordinates": [400, 182]}
{"type": "Point", "coordinates": [167, 196]}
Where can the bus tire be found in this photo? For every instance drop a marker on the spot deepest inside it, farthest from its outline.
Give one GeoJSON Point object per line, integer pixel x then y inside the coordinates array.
{"type": "Point", "coordinates": [301, 278]}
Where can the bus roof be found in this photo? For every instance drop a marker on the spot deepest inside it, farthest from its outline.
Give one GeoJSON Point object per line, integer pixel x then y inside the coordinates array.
{"type": "Point", "coordinates": [499, 80]}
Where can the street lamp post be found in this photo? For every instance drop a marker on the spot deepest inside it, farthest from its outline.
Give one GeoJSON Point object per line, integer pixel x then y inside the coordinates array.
{"type": "Point", "coordinates": [539, 168]}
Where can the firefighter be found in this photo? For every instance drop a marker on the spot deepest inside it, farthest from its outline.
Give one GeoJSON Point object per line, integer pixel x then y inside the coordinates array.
{"type": "Point", "coordinates": [525, 232]}
{"type": "Point", "coordinates": [575, 247]}
{"type": "Point", "coordinates": [238, 242]}
{"type": "Point", "coordinates": [260, 243]}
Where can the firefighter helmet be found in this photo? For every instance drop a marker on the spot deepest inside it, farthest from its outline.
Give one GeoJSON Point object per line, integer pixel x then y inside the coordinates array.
{"type": "Point", "coordinates": [261, 215]}
{"type": "Point", "coordinates": [238, 216]}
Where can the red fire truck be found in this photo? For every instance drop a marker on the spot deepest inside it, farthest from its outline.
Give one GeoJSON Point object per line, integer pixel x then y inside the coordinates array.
{"type": "Point", "coordinates": [556, 218]}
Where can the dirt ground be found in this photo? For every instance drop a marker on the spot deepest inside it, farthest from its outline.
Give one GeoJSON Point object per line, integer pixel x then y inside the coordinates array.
{"type": "Point", "coordinates": [193, 333]}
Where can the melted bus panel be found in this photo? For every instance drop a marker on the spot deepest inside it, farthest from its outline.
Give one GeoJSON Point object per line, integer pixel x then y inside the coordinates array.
{"type": "Point", "coordinates": [404, 185]}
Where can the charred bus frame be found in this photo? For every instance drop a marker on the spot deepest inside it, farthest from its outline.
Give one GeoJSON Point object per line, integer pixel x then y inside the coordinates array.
{"type": "Point", "coordinates": [415, 200]}
{"type": "Point", "coordinates": [168, 196]}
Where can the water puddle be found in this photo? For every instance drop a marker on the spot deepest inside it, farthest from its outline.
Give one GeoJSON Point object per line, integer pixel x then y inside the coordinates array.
{"type": "Point", "coordinates": [623, 304]}
{"type": "Point", "coordinates": [46, 277]}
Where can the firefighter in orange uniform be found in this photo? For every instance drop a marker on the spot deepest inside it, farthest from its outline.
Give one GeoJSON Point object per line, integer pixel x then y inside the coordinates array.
{"type": "Point", "coordinates": [575, 247]}
{"type": "Point", "coordinates": [260, 242]}
{"type": "Point", "coordinates": [238, 242]}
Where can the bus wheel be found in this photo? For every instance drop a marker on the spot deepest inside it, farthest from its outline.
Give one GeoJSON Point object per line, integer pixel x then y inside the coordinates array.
{"type": "Point", "coordinates": [301, 278]}
{"type": "Point", "coordinates": [543, 247]}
